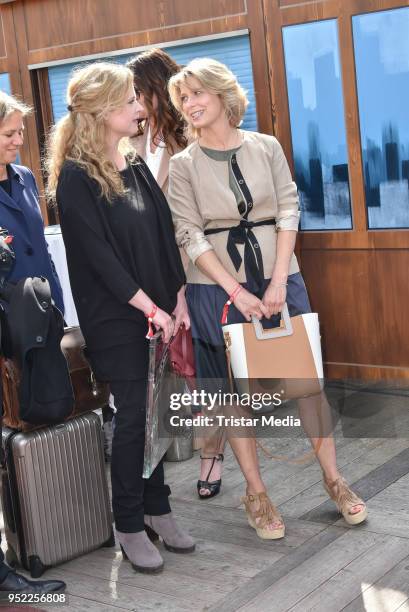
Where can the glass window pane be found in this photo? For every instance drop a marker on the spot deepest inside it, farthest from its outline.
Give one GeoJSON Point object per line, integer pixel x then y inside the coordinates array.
{"type": "Point", "coordinates": [317, 125]}
{"type": "Point", "coordinates": [5, 82]}
{"type": "Point", "coordinates": [381, 42]}
{"type": "Point", "coordinates": [233, 51]}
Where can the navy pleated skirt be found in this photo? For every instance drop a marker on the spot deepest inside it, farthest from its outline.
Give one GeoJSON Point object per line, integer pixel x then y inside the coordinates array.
{"type": "Point", "coordinates": [205, 303]}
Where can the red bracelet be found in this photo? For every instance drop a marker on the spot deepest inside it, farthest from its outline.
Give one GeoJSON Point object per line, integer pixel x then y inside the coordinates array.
{"type": "Point", "coordinates": [229, 302]}
{"type": "Point", "coordinates": [150, 318]}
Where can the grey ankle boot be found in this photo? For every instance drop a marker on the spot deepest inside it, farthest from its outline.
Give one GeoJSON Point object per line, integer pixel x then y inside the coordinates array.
{"type": "Point", "coordinates": [139, 550]}
{"type": "Point", "coordinates": [174, 538]}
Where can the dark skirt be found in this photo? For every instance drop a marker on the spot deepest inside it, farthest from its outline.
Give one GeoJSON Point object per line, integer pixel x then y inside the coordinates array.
{"type": "Point", "coordinates": [206, 303]}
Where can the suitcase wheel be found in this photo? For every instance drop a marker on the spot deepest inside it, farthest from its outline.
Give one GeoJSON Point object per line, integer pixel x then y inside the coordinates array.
{"type": "Point", "coordinates": [37, 568]}
{"type": "Point", "coordinates": [110, 541]}
{"type": "Point", "coordinates": [11, 558]}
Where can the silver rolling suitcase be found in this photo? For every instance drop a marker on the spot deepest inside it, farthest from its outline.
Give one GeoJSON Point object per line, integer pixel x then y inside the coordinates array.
{"type": "Point", "coordinates": [54, 493]}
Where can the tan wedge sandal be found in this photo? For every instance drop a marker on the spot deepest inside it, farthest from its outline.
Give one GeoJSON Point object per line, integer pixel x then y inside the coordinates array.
{"type": "Point", "coordinates": [266, 514]}
{"type": "Point", "coordinates": [345, 500]}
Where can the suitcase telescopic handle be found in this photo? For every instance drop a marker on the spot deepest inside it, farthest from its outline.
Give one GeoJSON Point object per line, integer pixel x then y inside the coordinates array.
{"type": "Point", "coordinates": [285, 329]}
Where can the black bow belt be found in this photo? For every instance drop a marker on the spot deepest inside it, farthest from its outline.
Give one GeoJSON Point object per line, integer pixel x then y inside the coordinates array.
{"type": "Point", "coordinates": [242, 234]}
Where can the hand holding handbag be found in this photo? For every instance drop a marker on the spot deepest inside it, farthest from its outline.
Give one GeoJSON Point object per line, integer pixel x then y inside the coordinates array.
{"type": "Point", "coordinates": [182, 355]}
{"type": "Point", "coordinates": [287, 358]}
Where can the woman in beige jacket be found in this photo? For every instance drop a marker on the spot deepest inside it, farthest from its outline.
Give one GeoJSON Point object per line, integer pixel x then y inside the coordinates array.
{"type": "Point", "coordinates": [235, 210]}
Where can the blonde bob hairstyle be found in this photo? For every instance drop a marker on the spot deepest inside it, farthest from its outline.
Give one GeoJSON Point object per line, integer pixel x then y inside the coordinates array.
{"type": "Point", "coordinates": [10, 105]}
{"type": "Point", "coordinates": [215, 78]}
{"type": "Point", "coordinates": [79, 136]}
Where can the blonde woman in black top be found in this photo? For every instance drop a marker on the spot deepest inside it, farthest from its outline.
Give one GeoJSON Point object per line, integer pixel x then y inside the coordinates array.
{"type": "Point", "coordinates": [124, 266]}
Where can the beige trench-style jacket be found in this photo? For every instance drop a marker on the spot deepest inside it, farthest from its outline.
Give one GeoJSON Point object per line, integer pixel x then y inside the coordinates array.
{"type": "Point", "coordinates": [200, 198]}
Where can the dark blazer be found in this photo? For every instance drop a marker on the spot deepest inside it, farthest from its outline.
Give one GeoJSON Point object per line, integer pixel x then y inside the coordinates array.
{"type": "Point", "coordinates": [36, 330]}
{"type": "Point", "coordinates": [20, 214]}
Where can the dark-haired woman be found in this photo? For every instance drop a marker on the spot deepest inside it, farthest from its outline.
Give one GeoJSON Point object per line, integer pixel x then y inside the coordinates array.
{"type": "Point", "coordinates": [161, 131]}
{"type": "Point", "coordinates": [160, 135]}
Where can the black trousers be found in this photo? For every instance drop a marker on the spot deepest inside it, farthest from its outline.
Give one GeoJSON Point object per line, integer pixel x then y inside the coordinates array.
{"type": "Point", "coordinates": [132, 495]}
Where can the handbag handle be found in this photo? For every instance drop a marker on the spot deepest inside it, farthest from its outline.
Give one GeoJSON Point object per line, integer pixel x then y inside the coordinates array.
{"type": "Point", "coordinates": [276, 332]}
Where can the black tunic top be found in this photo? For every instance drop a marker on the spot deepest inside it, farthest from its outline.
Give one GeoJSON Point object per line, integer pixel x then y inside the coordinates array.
{"type": "Point", "coordinates": [114, 249]}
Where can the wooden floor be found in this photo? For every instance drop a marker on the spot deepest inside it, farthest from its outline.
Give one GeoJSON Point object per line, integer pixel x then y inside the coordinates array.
{"type": "Point", "coordinates": [321, 564]}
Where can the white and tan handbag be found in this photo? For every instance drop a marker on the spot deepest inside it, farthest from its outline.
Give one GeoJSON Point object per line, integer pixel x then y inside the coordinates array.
{"type": "Point", "coordinates": [285, 359]}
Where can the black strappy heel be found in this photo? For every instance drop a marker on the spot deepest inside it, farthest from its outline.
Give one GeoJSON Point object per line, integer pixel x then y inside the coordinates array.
{"type": "Point", "coordinates": [214, 486]}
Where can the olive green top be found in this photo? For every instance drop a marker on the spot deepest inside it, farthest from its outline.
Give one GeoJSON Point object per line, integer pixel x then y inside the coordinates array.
{"type": "Point", "coordinates": [225, 156]}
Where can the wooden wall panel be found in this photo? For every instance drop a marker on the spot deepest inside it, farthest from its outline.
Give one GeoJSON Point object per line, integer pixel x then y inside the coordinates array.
{"type": "Point", "coordinates": [285, 3]}
{"type": "Point", "coordinates": [351, 114]}
{"type": "Point", "coordinates": [367, 373]}
{"type": "Point", "coordinates": [20, 80]}
{"type": "Point", "coordinates": [277, 81]}
{"type": "Point", "coordinates": [175, 12]}
{"type": "Point", "coordinates": [261, 68]}
{"type": "Point", "coordinates": [361, 298]}
{"type": "Point", "coordinates": [3, 52]}
{"type": "Point", "coordinates": [303, 12]}
{"type": "Point", "coordinates": [83, 27]}
{"type": "Point", "coordinates": [11, 65]}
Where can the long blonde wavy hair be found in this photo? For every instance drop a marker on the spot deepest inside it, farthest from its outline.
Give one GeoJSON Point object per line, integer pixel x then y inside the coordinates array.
{"type": "Point", "coordinates": [80, 135]}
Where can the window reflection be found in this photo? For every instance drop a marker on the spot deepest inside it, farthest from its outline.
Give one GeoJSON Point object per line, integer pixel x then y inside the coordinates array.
{"type": "Point", "coordinates": [381, 42]}
{"type": "Point", "coordinates": [317, 125]}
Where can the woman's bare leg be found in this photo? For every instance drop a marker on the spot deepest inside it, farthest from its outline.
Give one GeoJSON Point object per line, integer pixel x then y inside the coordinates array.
{"type": "Point", "coordinates": [244, 447]}
{"type": "Point", "coordinates": [245, 451]}
{"type": "Point", "coordinates": [213, 445]}
{"type": "Point", "coordinates": [315, 415]}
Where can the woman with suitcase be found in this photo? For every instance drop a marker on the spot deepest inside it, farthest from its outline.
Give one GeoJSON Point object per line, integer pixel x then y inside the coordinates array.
{"type": "Point", "coordinates": [235, 209]}
{"type": "Point", "coordinates": [125, 272]}
{"type": "Point", "coordinates": [20, 215]}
